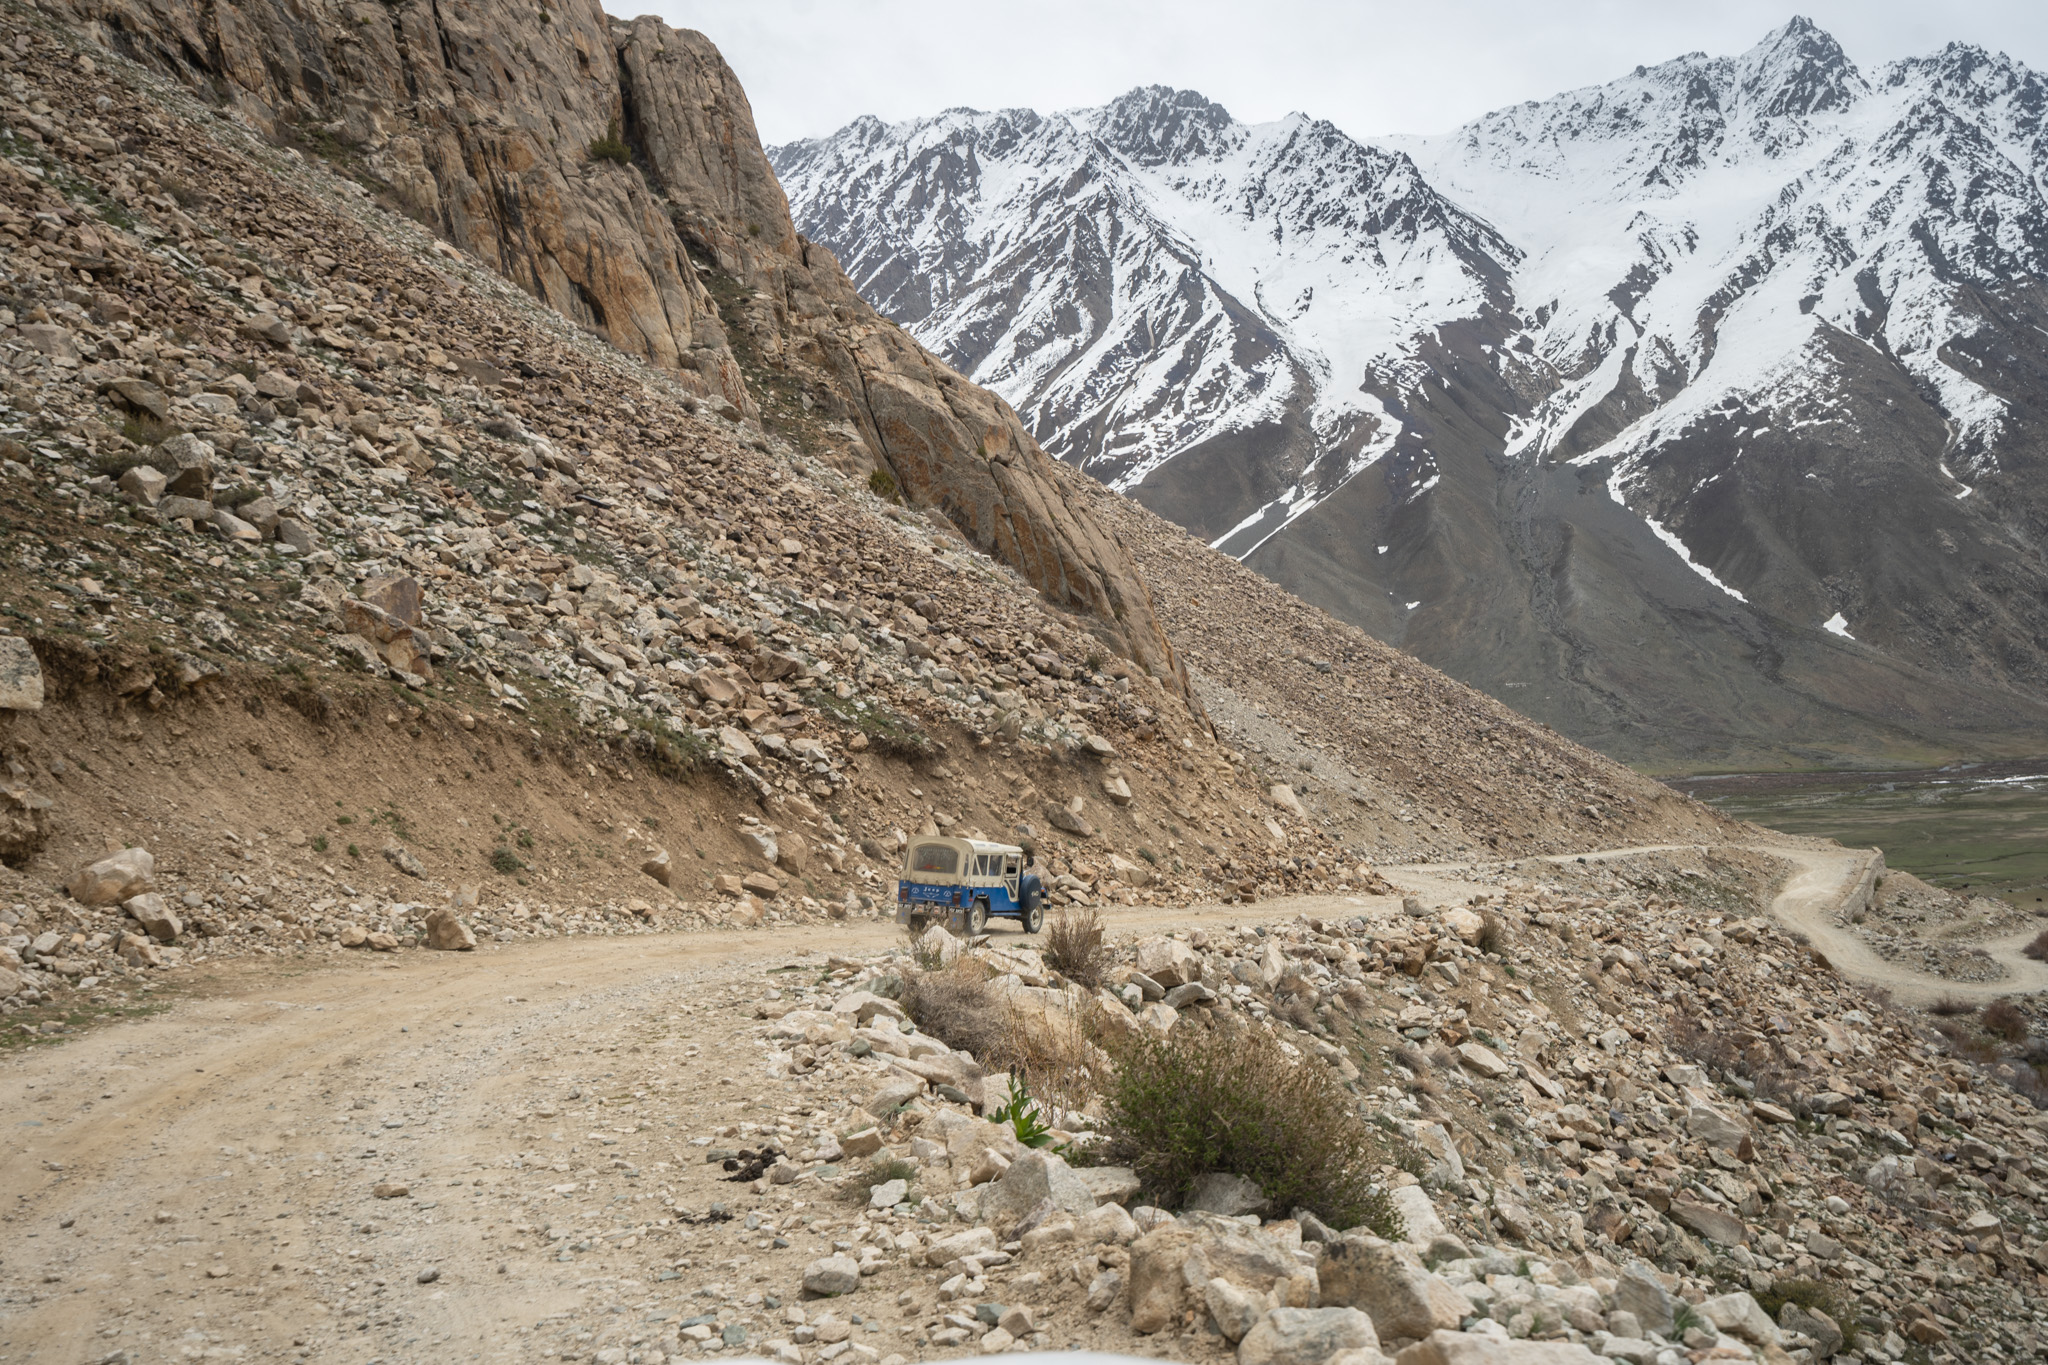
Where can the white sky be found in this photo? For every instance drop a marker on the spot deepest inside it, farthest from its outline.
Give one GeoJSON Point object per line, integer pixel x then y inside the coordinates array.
{"type": "Point", "coordinates": [1372, 67]}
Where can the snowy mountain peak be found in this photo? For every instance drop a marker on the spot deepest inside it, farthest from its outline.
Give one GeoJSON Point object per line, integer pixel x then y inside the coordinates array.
{"type": "Point", "coordinates": [1797, 71]}
{"type": "Point", "coordinates": [1157, 125]}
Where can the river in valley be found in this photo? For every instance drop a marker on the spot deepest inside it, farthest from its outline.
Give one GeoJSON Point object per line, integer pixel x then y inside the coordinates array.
{"type": "Point", "coordinates": [1976, 827]}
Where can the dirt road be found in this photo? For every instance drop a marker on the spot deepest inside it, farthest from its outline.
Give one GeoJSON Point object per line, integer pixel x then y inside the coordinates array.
{"type": "Point", "coordinates": [200, 1185]}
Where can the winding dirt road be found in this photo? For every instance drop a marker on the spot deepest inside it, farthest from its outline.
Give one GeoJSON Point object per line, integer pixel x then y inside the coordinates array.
{"type": "Point", "coordinates": [197, 1185]}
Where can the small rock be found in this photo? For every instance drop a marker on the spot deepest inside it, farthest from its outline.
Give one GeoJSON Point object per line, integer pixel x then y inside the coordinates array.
{"type": "Point", "coordinates": [831, 1276]}
{"type": "Point", "coordinates": [1484, 1060]}
{"type": "Point", "coordinates": [352, 936]}
{"type": "Point", "coordinates": [660, 868]}
{"type": "Point", "coordinates": [429, 1275]}
{"type": "Point", "coordinates": [154, 914]}
{"type": "Point", "coordinates": [391, 1189]}
{"type": "Point", "coordinates": [1282, 796]}
{"type": "Point", "coordinates": [401, 857]}
{"type": "Point", "coordinates": [21, 676]}
{"type": "Point", "coordinates": [888, 1194]}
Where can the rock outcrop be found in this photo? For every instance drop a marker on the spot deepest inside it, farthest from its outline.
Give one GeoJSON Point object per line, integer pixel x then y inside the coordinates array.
{"type": "Point", "coordinates": [613, 171]}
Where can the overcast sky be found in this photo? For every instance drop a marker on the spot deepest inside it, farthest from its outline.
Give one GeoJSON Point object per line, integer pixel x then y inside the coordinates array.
{"type": "Point", "coordinates": [1372, 67]}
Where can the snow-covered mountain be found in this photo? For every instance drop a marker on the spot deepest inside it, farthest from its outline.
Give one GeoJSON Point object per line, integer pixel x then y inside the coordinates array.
{"type": "Point", "coordinates": [1681, 411]}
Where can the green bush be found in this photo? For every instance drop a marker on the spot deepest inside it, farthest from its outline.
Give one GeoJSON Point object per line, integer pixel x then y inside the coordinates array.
{"type": "Point", "coordinates": [883, 485]}
{"type": "Point", "coordinates": [505, 861]}
{"type": "Point", "coordinates": [1232, 1101]}
{"type": "Point", "coordinates": [611, 147]}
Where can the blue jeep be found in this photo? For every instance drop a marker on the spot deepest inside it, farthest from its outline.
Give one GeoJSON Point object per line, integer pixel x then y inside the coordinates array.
{"type": "Point", "coordinates": [964, 883]}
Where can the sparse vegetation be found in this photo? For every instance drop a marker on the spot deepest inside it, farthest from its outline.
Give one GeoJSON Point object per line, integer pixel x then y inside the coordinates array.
{"type": "Point", "coordinates": [1074, 946]}
{"type": "Point", "coordinates": [882, 484]}
{"type": "Point", "coordinates": [2038, 949]}
{"type": "Point", "coordinates": [1021, 1112]}
{"type": "Point", "coordinates": [1232, 1101]}
{"type": "Point", "coordinates": [1055, 1056]}
{"type": "Point", "coordinates": [1949, 1006]}
{"type": "Point", "coordinates": [2004, 1020]}
{"type": "Point", "coordinates": [611, 147]}
{"type": "Point", "coordinates": [503, 860]}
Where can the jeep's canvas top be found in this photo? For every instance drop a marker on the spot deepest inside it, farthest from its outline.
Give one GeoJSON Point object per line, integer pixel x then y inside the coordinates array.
{"type": "Point", "coordinates": [943, 857]}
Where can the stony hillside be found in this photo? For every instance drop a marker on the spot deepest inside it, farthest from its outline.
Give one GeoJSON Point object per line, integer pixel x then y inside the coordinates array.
{"type": "Point", "coordinates": [1692, 413]}
{"type": "Point", "coordinates": [354, 575]}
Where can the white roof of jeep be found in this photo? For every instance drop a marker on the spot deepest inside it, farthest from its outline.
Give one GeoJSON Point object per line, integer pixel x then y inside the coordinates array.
{"type": "Point", "coordinates": [976, 846]}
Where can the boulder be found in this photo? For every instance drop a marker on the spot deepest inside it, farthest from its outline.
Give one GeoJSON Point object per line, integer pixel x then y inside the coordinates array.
{"type": "Point", "coordinates": [831, 1276]}
{"type": "Point", "coordinates": [1390, 1285]}
{"type": "Point", "coordinates": [1484, 1060]}
{"type": "Point", "coordinates": [888, 1194]}
{"type": "Point", "coordinates": [155, 915]}
{"type": "Point", "coordinates": [1168, 961]}
{"type": "Point", "coordinates": [1449, 1347]}
{"type": "Point", "coordinates": [1638, 1291]}
{"type": "Point", "coordinates": [1710, 1221]}
{"type": "Point", "coordinates": [1156, 1281]}
{"type": "Point", "coordinates": [1306, 1336]}
{"type": "Point", "coordinates": [396, 595]}
{"type": "Point", "coordinates": [21, 676]}
{"type": "Point", "coordinates": [1229, 1195]}
{"type": "Point", "coordinates": [447, 932]}
{"type": "Point", "coordinates": [1034, 1177]}
{"type": "Point", "coordinates": [1814, 1323]}
{"type": "Point", "coordinates": [894, 1096]}
{"type": "Point", "coordinates": [144, 484]}
{"type": "Point", "coordinates": [1420, 1224]}
{"type": "Point", "coordinates": [115, 878]}
{"type": "Point", "coordinates": [178, 507]}
{"type": "Point", "coordinates": [1714, 1128]}
{"type": "Point", "coordinates": [659, 867]}
{"type": "Point", "coordinates": [1740, 1315]}
{"type": "Point", "coordinates": [1235, 1310]}
{"type": "Point", "coordinates": [1109, 1184]}
{"type": "Point", "coordinates": [973, 1242]}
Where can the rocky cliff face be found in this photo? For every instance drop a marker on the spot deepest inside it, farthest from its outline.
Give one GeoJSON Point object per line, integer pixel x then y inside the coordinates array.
{"type": "Point", "coordinates": [478, 119]}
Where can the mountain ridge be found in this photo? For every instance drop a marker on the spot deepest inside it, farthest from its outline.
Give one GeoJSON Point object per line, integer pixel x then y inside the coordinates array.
{"type": "Point", "coordinates": [1773, 312]}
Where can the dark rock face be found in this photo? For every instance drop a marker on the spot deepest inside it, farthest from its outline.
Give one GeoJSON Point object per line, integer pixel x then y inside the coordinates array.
{"type": "Point", "coordinates": [477, 118]}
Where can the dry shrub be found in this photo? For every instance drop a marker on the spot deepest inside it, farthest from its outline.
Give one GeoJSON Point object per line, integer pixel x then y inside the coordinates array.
{"type": "Point", "coordinates": [2038, 949]}
{"type": "Point", "coordinates": [1054, 1051]}
{"type": "Point", "coordinates": [1949, 1007]}
{"type": "Point", "coordinates": [1966, 1042]}
{"type": "Point", "coordinates": [1493, 931]}
{"type": "Point", "coordinates": [1074, 946]}
{"type": "Point", "coordinates": [1295, 1010]}
{"type": "Point", "coordinates": [1230, 1100]}
{"type": "Point", "coordinates": [2004, 1020]}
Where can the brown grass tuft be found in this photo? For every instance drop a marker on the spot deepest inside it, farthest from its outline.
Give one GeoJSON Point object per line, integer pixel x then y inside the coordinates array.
{"type": "Point", "coordinates": [1949, 1007]}
{"type": "Point", "coordinates": [2004, 1020]}
{"type": "Point", "coordinates": [1074, 946]}
{"type": "Point", "coordinates": [1054, 1051]}
{"type": "Point", "coordinates": [2038, 949]}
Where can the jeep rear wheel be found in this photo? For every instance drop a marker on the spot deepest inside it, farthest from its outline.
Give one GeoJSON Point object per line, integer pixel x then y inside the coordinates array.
{"type": "Point", "coordinates": [977, 918]}
{"type": "Point", "coordinates": [1034, 917]}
